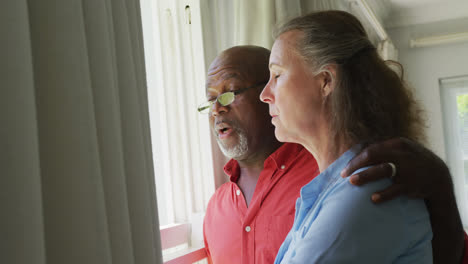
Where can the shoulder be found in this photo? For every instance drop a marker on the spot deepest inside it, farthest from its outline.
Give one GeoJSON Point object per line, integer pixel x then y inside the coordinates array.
{"type": "Point", "coordinates": [223, 200]}
{"type": "Point", "coordinates": [403, 221]}
{"type": "Point", "coordinates": [347, 221]}
{"type": "Point", "coordinates": [348, 197]}
{"type": "Point", "coordinates": [221, 191]}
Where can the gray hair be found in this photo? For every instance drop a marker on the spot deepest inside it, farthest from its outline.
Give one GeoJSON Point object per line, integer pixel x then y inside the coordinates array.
{"type": "Point", "coordinates": [325, 41]}
{"type": "Point", "coordinates": [370, 101]}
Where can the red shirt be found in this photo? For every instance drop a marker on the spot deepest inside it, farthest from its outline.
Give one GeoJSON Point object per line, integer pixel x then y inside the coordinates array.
{"type": "Point", "coordinates": [269, 226]}
{"type": "Point", "coordinates": [236, 234]}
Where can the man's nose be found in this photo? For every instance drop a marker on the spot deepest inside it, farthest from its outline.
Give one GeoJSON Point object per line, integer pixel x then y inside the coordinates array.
{"type": "Point", "coordinates": [217, 108]}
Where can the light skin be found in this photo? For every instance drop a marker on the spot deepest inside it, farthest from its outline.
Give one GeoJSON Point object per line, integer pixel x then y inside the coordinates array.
{"type": "Point", "coordinates": [297, 99]}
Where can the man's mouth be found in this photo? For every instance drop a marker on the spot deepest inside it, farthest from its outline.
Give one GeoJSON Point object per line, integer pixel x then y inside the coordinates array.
{"type": "Point", "coordinates": [223, 130]}
{"type": "Point", "coordinates": [224, 133]}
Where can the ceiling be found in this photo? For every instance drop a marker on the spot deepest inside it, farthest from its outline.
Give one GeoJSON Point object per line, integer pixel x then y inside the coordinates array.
{"type": "Point", "coordinates": [411, 12]}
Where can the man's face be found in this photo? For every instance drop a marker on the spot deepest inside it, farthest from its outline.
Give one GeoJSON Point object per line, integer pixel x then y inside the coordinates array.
{"type": "Point", "coordinates": [239, 126]}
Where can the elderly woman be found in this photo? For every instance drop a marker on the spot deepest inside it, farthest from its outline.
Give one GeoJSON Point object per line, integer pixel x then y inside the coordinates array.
{"type": "Point", "coordinates": [331, 92]}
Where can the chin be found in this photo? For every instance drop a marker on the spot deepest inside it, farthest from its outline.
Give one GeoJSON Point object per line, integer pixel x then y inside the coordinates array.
{"type": "Point", "coordinates": [280, 136]}
{"type": "Point", "coordinates": [236, 153]}
{"type": "Point", "coordinates": [237, 150]}
{"type": "Point", "coordinates": [283, 136]}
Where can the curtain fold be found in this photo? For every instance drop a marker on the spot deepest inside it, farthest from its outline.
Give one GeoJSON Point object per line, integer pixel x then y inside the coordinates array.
{"type": "Point", "coordinates": [80, 185]}
{"type": "Point", "coordinates": [228, 23]}
{"type": "Point", "coordinates": [21, 224]}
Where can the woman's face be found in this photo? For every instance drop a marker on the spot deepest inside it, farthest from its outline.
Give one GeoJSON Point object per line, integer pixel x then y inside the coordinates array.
{"type": "Point", "coordinates": [294, 94]}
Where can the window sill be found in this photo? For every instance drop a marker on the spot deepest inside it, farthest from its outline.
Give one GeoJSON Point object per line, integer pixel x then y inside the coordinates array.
{"type": "Point", "coordinates": [188, 255]}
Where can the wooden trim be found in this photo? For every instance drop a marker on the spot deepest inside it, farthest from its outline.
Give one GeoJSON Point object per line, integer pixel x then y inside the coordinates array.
{"type": "Point", "coordinates": [175, 235]}
{"type": "Point", "coordinates": [194, 255]}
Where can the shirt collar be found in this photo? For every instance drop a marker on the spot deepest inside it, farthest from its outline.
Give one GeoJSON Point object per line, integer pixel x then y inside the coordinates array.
{"type": "Point", "coordinates": [283, 156]}
{"type": "Point", "coordinates": [329, 175]}
{"type": "Point", "coordinates": [232, 170]}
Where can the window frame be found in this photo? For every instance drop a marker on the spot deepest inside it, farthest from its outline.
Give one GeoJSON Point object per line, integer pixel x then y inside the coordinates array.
{"type": "Point", "coordinates": [450, 88]}
{"type": "Point", "coordinates": [175, 65]}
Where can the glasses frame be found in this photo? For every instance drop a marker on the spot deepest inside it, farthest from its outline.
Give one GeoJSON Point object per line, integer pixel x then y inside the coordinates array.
{"type": "Point", "coordinates": [209, 104]}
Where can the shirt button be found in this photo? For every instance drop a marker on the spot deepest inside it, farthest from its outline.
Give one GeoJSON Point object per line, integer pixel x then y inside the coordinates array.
{"type": "Point", "coordinates": [238, 192]}
{"type": "Point", "coordinates": [282, 167]}
{"type": "Point", "coordinates": [247, 228]}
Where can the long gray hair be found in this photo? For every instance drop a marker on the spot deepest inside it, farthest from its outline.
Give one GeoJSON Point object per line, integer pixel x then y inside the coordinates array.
{"type": "Point", "coordinates": [370, 101]}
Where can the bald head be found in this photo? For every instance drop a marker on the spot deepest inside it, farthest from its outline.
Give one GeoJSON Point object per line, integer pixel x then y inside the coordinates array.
{"type": "Point", "coordinates": [249, 62]}
{"type": "Point", "coordinates": [243, 127]}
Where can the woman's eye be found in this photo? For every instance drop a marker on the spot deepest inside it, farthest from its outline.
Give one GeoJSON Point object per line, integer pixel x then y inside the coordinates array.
{"type": "Point", "coordinates": [276, 76]}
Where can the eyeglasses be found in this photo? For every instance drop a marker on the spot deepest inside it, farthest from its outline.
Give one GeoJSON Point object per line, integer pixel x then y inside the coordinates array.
{"type": "Point", "coordinates": [223, 99]}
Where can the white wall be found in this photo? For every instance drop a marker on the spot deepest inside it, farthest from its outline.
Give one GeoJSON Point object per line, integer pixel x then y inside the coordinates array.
{"type": "Point", "coordinates": [425, 66]}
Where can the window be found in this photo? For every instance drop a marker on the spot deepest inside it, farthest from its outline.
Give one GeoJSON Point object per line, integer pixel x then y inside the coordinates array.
{"type": "Point", "coordinates": [454, 96]}
{"type": "Point", "coordinates": [180, 136]}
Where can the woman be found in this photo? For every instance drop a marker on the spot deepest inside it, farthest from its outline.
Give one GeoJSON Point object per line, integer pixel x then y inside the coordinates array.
{"type": "Point", "coordinates": [331, 92]}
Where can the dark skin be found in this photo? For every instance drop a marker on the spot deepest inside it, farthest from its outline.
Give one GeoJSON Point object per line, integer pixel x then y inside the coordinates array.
{"type": "Point", "coordinates": [420, 173]}
{"type": "Point", "coordinates": [235, 69]}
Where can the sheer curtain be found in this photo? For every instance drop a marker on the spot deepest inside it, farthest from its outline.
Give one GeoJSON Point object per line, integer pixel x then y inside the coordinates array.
{"type": "Point", "coordinates": [77, 182]}
{"type": "Point", "coordinates": [227, 23]}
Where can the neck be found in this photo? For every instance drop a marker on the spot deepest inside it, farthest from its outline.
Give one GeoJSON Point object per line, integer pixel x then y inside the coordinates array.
{"type": "Point", "coordinates": [254, 162]}
{"type": "Point", "coordinates": [326, 149]}
{"type": "Point", "coordinates": [251, 168]}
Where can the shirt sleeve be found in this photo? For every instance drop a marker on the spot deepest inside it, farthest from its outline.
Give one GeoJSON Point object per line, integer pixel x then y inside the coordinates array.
{"type": "Point", "coordinates": [348, 226]}
{"type": "Point", "coordinates": [465, 254]}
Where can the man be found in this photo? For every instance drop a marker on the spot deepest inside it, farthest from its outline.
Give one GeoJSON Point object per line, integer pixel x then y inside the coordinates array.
{"type": "Point", "coordinates": [248, 217]}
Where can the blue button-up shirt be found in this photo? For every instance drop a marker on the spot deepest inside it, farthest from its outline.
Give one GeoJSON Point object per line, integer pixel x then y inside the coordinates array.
{"type": "Point", "coordinates": [336, 222]}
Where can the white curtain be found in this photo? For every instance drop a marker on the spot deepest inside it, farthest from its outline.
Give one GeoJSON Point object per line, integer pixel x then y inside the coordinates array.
{"type": "Point", "coordinates": [228, 23]}
{"type": "Point", "coordinates": [77, 182]}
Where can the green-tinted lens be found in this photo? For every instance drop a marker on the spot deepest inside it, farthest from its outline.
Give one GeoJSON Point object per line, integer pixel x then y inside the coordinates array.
{"type": "Point", "coordinates": [226, 98]}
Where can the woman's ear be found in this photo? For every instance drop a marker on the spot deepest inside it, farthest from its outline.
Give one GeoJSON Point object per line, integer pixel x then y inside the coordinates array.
{"type": "Point", "coordinates": [329, 80]}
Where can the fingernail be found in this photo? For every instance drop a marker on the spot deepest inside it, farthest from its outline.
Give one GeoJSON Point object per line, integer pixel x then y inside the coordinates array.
{"type": "Point", "coordinates": [375, 197]}
{"type": "Point", "coordinates": [354, 179]}
{"type": "Point", "coordinates": [342, 173]}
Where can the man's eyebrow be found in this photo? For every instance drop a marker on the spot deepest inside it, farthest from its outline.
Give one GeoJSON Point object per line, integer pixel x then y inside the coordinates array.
{"type": "Point", "coordinates": [210, 89]}
{"type": "Point", "coordinates": [231, 75]}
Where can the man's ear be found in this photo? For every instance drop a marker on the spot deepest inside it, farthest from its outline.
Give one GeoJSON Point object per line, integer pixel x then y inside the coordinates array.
{"type": "Point", "coordinates": [329, 80]}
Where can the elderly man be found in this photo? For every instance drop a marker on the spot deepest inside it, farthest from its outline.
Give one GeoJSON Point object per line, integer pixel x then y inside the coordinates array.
{"type": "Point", "coordinates": [248, 217]}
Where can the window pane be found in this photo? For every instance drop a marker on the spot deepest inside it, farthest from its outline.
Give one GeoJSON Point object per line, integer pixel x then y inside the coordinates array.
{"type": "Point", "coordinates": [454, 99]}
{"type": "Point", "coordinates": [462, 107]}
